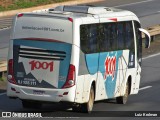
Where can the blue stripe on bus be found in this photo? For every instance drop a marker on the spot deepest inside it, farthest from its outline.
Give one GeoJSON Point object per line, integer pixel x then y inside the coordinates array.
{"type": "Point", "coordinates": [96, 62]}
{"type": "Point", "coordinates": [92, 62]}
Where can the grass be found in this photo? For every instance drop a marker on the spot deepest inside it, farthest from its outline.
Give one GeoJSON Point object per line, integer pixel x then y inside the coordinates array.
{"type": "Point", "coordinates": [2, 8]}
{"type": "Point", "coordinates": [1, 79]}
{"type": "Point", "coordinates": [18, 4]}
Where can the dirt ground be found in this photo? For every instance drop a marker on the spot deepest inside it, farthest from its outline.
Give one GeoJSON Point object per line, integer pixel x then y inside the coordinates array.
{"type": "Point", "coordinates": [5, 3]}
{"type": "Point", "coordinates": [154, 48]}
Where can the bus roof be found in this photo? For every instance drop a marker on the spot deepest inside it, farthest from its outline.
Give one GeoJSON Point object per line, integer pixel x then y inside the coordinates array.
{"type": "Point", "coordinates": [83, 12]}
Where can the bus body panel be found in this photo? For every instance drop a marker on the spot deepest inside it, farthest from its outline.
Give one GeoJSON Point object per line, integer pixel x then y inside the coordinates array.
{"type": "Point", "coordinates": [137, 77]}
{"type": "Point", "coordinates": [112, 68]}
{"type": "Point", "coordinates": [130, 71]}
{"type": "Point", "coordinates": [44, 27]}
{"type": "Point", "coordinates": [39, 94]}
{"type": "Point", "coordinates": [41, 64]}
{"type": "Point", "coordinates": [83, 86]}
{"type": "Point", "coordinates": [84, 83]}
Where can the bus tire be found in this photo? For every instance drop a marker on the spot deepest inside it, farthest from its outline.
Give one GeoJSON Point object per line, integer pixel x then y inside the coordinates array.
{"type": "Point", "coordinates": [76, 108]}
{"type": "Point", "coordinates": [87, 107]}
{"type": "Point", "coordinates": [123, 99]}
{"type": "Point", "coordinates": [31, 104]}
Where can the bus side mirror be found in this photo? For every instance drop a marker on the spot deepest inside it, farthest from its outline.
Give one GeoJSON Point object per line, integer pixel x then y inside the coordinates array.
{"type": "Point", "coordinates": [147, 37]}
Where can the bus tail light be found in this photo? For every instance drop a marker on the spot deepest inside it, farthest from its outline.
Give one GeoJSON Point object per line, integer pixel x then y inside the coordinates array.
{"type": "Point", "coordinates": [11, 78]}
{"type": "Point", "coordinates": [19, 15]}
{"type": "Point", "coordinates": [70, 78]}
{"type": "Point", "coordinates": [70, 19]}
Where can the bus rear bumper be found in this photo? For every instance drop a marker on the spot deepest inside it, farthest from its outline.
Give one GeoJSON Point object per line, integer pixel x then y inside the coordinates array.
{"type": "Point", "coordinates": [41, 94]}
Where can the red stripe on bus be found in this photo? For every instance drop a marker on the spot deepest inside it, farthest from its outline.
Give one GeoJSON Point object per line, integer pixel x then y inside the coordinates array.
{"type": "Point", "coordinates": [113, 19]}
{"type": "Point", "coordinates": [42, 39]}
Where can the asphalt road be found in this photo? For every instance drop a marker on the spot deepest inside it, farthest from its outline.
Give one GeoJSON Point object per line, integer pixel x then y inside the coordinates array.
{"type": "Point", "coordinates": [4, 43]}
{"type": "Point", "coordinates": [147, 10]}
{"type": "Point", "coordinates": [148, 98]}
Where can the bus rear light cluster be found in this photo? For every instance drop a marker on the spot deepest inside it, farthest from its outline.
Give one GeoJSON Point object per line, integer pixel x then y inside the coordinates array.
{"type": "Point", "coordinates": [19, 15]}
{"type": "Point", "coordinates": [70, 78]}
{"type": "Point", "coordinates": [11, 78]}
{"type": "Point", "coordinates": [70, 19]}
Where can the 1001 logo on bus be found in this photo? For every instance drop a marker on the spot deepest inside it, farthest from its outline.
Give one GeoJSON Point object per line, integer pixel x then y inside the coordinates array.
{"type": "Point", "coordinates": [110, 67]}
{"type": "Point", "coordinates": [41, 65]}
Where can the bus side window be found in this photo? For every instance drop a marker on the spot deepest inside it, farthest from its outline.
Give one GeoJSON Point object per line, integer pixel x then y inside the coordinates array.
{"type": "Point", "coordinates": [88, 38]}
{"type": "Point", "coordinates": [109, 41]}
{"type": "Point", "coordinates": [83, 38]}
{"type": "Point", "coordinates": [129, 36]}
{"type": "Point", "coordinates": [92, 41]}
{"type": "Point", "coordinates": [104, 37]}
{"type": "Point", "coordinates": [120, 36]}
{"type": "Point", "coordinates": [113, 38]}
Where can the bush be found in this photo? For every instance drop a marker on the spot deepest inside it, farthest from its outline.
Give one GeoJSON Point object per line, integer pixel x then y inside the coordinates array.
{"type": "Point", "coordinates": [18, 4]}
{"type": "Point", "coordinates": [2, 8]}
{"type": "Point", "coordinates": [1, 79]}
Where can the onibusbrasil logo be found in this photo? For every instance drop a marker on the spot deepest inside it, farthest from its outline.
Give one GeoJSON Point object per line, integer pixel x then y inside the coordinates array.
{"type": "Point", "coordinates": [21, 115]}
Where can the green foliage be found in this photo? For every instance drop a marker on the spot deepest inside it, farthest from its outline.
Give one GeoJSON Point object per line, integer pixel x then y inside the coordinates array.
{"type": "Point", "coordinates": [39, 2]}
{"type": "Point", "coordinates": [1, 79]}
{"type": "Point", "coordinates": [18, 4]}
{"type": "Point", "coordinates": [2, 8]}
{"type": "Point", "coordinates": [59, 0]}
{"type": "Point", "coordinates": [24, 4]}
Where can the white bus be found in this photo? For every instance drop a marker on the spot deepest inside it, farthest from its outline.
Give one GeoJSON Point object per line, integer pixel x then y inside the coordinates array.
{"type": "Point", "coordinates": [75, 54]}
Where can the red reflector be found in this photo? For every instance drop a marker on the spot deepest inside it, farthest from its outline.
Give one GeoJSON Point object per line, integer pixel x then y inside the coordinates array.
{"type": "Point", "coordinates": [70, 19]}
{"type": "Point", "coordinates": [13, 89]}
{"type": "Point", "coordinates": [113, 19]}
{"type": "Point", "coordinates": [20, 15]}
{"type": "Point", "coordinates": [65, 93]}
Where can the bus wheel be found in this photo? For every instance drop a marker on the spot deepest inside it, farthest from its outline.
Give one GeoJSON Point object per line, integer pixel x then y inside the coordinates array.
{"type": "Point", "coordinates": [31, 104]}
{"type": "Point", "coordinates": [87, 107]}
{"type": "Point", "coordinates": [123, 99]}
